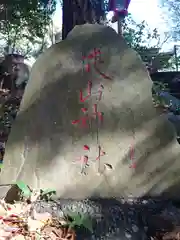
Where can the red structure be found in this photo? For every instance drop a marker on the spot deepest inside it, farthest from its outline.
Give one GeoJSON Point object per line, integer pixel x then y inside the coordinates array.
{"type": "Point", "coordinates": [120, 8]}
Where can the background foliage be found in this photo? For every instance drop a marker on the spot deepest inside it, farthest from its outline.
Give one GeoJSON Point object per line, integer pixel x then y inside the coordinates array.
{"type": "Point", "coordinates": [24, 21]}
{"type": "Point", "coordinates": [25, 26]}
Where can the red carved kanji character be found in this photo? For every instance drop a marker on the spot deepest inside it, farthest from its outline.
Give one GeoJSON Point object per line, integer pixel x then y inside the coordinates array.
{"type": "Point", "coordinates": [101, 153]}
{"type": "Point", "coordinates": [92, 55]}
{"type": "Point", "coordinates": [96, 52]}
{"type": "Point", "coordinates": [98, 60]}
{"type": "Point", "coordinates": [86, 147]}
{"type": "Point", "coordinates": [87, 67]}
{"type": "Point", "coordinates": [96, 55]}
{"type": "Point", "coordinates": [100, 91]}
{"type": "Point", "coordinates": [101, 73]}
{"type": "Point", "coordinates": [84, 164]}
{"type": "Point", "coordinates": [83, 120]}
{"type": "Point", "coordinates": [83, 99]}
{"type": "Point", "coordinates": [96, 113]}
{"type": "Point", "coordinates": [133, 164]}
{"type": "Point", "coordinates": [131, 152]}
{"type": "Point", "coordinates": [84, 158]}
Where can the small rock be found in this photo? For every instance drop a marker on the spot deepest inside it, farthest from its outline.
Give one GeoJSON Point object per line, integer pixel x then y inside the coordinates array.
{"type": "Point", "coordinates": [128, 235]}
{"type": "Point", "coordinates": [135, 228]}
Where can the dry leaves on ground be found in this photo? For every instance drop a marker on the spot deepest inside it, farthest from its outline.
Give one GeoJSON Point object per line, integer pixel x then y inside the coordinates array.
{"type": "Point", "coordinates": [174, 235]}
{"type": "Point", "coordinates": [21, 221]}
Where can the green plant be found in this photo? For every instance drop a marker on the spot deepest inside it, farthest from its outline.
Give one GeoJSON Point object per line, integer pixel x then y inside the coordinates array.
{"type": "Point", "coordinates": [47, 194]}
{"type": "Point", "coordinates": [78, 219]}
{"type": "Point", "coordinates": [73, 219]}
{"type": "Point", "coordinates": [27, 192]}
{"type": "Point", "coordinates": [159, 86]}
{"type": "Point", "coordinates": [156, 90]}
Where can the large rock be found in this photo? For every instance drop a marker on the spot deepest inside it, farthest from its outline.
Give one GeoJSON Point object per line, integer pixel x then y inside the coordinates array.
{"type": "Point", "coordinates": [44, 146]}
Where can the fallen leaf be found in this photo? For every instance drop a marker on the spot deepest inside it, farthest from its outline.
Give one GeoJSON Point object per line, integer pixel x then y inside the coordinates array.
{"type": "Point", "coordinates": [34, 196]}
{"type": "Point", "coordinates": [174, 235]}
{"type": "Point", "coordinates": [60, 233]}
{"type": "Point", "coordinates": [15, 209]}
{"type": "Point", "coordinates": [3, 211]}
{"type": "Point", "coordinates": [48, 231]}
{"type": "Point", "coordinates": [11, 229]}
{"type": "Point", "coordinates": [18, 237]}
{"type": "Point", "coordinates": [33, 225]}
{"type": "Point", "coordinates": [4, 234]}
{"type": "Point", "coordinates": [41, 216]}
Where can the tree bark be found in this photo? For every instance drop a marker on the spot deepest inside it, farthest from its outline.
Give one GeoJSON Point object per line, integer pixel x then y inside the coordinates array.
{"type": "Point", "coordinates": [77, 12]}
{"type": "Point", "coordinates": [67, 23]}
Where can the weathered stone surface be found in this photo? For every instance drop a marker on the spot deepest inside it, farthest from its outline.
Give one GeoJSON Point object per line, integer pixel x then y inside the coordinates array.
{"type": "Point", "coordinates": [44, 144]}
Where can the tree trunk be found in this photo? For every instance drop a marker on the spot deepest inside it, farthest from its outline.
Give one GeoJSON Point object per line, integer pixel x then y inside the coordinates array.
{"type": "Point", "coordinates": [67, 24]}
{"type": "Point", "coordinates": [77, 12]}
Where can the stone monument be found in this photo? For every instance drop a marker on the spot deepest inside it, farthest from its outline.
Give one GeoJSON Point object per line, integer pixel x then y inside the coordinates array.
{"type": "Point", "coordinates": [87, 126]}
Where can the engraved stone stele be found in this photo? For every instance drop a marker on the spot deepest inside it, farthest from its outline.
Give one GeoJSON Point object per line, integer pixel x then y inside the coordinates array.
{"type": "Point", "coordinates": [44, 147]}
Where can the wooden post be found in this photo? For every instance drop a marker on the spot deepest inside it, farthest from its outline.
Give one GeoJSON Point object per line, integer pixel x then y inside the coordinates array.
{"type": "Point", "coordinates": [119, 25]}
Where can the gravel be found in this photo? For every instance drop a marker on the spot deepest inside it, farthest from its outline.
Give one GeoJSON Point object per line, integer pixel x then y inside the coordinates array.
{"type": "Point", "coordinates": [113, 219]}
